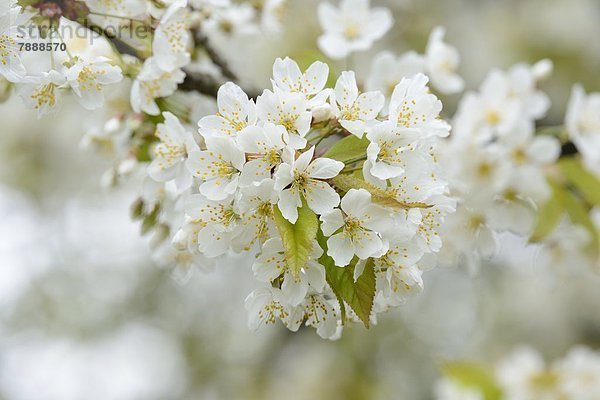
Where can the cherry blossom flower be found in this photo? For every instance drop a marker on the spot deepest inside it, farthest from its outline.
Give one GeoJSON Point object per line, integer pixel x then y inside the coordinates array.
{"type": "Point", "coordinates": [264, 147]}
{"type": "Point", "coordinates": [354, 111]}
{"type": "Point", "coordinates": [360, 221]}
{"type": "Point", "coordinates": [236, 112]}
{"type": "Point", "coordinates": [354, 26]}
{"type": "Point", "coordinates": [583, 123]}
{"type": "Point", "coordinates": [441, 62]}
{"type": "Point", "coordinates": [302, 178]}
{"type": "Point", "coordinates": [218, 167]}
{"type": "Point", "coordinates": [170, 155]}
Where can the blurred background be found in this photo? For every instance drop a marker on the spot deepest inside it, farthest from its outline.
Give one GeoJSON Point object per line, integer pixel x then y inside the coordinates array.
{"type": "Point", "coordinates": [86, 314]}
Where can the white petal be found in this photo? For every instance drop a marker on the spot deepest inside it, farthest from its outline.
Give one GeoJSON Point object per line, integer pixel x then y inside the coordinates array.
{"type": "Point", "coordinates": [340, 249]}
{"type": "Point", "coordinates": [289, 201]}
{"type": "Point", "coordinates": [331, 222]}
{"type": "Point", "coordinates": [369, 245]}
{"type": "Point", "coordinates": [320, 197]}
{"type": "Point", "coordinates": [324, 168]}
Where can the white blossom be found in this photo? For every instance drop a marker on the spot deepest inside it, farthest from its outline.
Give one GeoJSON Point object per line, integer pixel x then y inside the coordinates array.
{"type": "Point", "coordinates": [289, 109]}
{"type": "Point", "coordinates": [352, 27]}
{"type": "Point", "coordinates": [360, 221]}
{"type": "Point", "coordinates": [354, 111]}
{"type": "Point", "coordinates": [218, 167]}
{"type": "Point", "coordinates": [44, 93]}
{"type": "Point", "coordinates": [171, 42]}
{"type": "Point", "coordinates": [152, 83]}
{"type": "Point", "coordinates": [171, 153]}
{"type": "Point", "coordinates": [302, 178]}
{"type": "Point", "coordinates": [441, 62]}
{"type": "Point", "coordinates": [236, 112]}
{"type": "Point", "coordinates": [88, 79]}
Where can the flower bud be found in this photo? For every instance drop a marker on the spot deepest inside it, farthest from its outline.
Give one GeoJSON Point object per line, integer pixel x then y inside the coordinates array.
{"type": "Point", "coordinates": [542, 70]}
{"type": "Point", "coordinates": [322, 113]}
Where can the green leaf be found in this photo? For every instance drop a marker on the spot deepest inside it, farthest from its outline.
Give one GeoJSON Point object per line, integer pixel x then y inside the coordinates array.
{"type": "Point", "coordinates": [473, 376]}
{"type": "Point", "coordinates": [348, 148]}
{"type": "Point", "coordinates": [149, 222]}
{"type": "Point", "coordinates": [585, 182]}
{"type": "Point", "coordinates": [297, 238]}
{"type": "Point", "coordinates": [578, 213]}
{"type": "Point", "coordinates": [378, 195]}
{"type": "Point", "coordinates": [549, 214]}
{"type": "Point", "coordinates": [358, 295]}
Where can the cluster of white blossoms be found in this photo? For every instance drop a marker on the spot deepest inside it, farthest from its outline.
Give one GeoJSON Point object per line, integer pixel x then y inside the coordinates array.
{"type": "Point", "coordinates": [440, 63]}
{"type": "Point", "coordinates": [496, 163]}
{"type": "Point", "coordinates": [48, 48]}
{"type": "Point", "coordinates": [43, 75]}
{"type": "Point", "coordinates": [524, 375]}
{"type": "Point", "coordinates": [338, 191]}
{"type": "Point", "coordinates": [335, 200]}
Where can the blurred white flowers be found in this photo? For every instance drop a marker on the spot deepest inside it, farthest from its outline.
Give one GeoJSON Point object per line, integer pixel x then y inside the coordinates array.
{"type": "Point", "coordinates": [352, 27]}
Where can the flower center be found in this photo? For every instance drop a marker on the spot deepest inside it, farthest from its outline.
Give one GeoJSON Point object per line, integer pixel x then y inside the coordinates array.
{"type": "Point", "coordinates": [300, 179]}
{"type": "Point", "coordinates": [352, 31]}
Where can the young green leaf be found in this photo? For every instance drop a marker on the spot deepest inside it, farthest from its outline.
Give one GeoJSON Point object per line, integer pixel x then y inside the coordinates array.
{"type": "Point", "coordinates": [585, 182]}
{"type": "Point", "coordinates": [349, 148]}
{"type": "Point", "coordinates": [378, 195]}
{"type": "Point", "coordinates": [578, 213]}
{"type": "Point", "coordinates": [297, 238]}
{"type": "Point", "coordinates": [473, 376]}
{"type": "Point", "coordinates": [549, 214]}
{"type": "Point", "coordinates": [358, 295]}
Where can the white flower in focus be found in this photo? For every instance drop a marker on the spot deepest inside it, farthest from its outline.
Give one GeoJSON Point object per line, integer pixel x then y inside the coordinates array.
{"type": "Point", "coordinates": [264, 146]}
{"type": "Point", "coordinates": [214, 224]}
{"type": "Point", "coordinates": [218, 167]}
{"type": "Point", "coordinates": [441, 62]}
{"type": "Point", "coordinates": [172, 39]}
{"type": "Point", "coordinates": [305, 179]}
{"type": "Point", "coordinates": [266, 306]}
{"type": "Point", "coordinates": [236, 112]}
{"type": "Point", "coordinates": [287, 109]}
{"type": "Point", "coordinates": [384, 155]}
{"type": "Point", "coordinates": [152, 83]}
{"type": "Point", "coordinates": [583, 123]}
{"type": "Point", "coordinates": [360, 221]}
{"type": "Point", "coordinates": [43, 95]}
{"type": "Point", "coordinates": [413, 107]}
{"type": "Point", "coordinates": [255, 204]}
{"type": "Point", "coordinates": [398, 273]}
{"type": "Point", "coordinates": [288, 78]}
{"type": "Point", "coordinates": [271, 263]}
{"type": "Point", "coordinates": [87, 80]}
{"type": "Point", "coordinates": [322, 314]}
{"type": "Point", "coordinates": [354, 111]}
{"type": "Point", "coordinates": [171, 153]}
{"type": "Point", "coordinates": [351, 27]}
